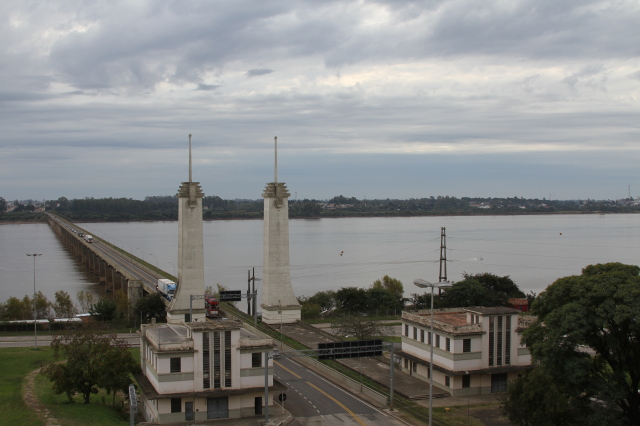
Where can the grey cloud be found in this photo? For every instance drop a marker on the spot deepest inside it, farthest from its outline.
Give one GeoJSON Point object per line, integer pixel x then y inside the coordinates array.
{"type": "Point", "coordinates": [207, 87]}
{"type": "Point", "coordinates": [258, 71]}
{"type": "Point", "coordinates": [635, 75]}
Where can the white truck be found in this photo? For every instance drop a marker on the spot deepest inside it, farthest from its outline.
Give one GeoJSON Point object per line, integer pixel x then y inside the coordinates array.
{"type": "Point", "coordinates": [167, 288]}
{"type": "Point", "coordinates": [88, 238]}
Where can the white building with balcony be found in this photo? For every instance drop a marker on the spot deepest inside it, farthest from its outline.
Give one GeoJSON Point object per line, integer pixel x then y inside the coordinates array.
{"type": "Point", "coordinates": [476, 350]}
{"type": "Point", "coordinates": [200, 371]}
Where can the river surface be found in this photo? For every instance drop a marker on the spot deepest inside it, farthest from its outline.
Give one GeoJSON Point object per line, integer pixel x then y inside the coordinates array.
{"type": "Point", "coordinates": [327, 254]}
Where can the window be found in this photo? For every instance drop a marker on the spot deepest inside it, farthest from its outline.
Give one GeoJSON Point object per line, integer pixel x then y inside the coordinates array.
{"type": "Point", "coordinates": [257, 405]}
{"type": "Point", "coordinates": [466, 381]}
{"type": "Point", "coordinates": [406, 330]}
{"type": "Point", "coordinates": [176, 405]}
{"type": "Point", "coordinates": [422, 336]}
{"type": "Point", "coordinates": [414, 366]}
{"type": "Point", "coordinates": [466, 345]}
{"type": "Point", "coordinates": [175, 365]}
{"type": "Point", "coordinates": [448, 344]}
{"type": "Point", "coordinates": [437, 340]}
{"type": "Point", "coordinates": [406, 363]}
{"type": "Point", "coordinates": [447, 381]}
{"type": "Point", "coordinates": [415, 333]}
{"type": "Point", "coordinates": [429, 337]}
{"type": "Point", "coordinates": [256, 359]}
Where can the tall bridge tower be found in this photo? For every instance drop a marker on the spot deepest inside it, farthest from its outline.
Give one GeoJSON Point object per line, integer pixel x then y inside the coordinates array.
{"type": "Point", "coordinates": [190, 253]}
{"type": "Point", "coordinates": [279, 303]}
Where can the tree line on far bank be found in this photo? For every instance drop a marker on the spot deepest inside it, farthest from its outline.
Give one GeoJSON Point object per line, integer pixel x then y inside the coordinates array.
{"type": "Point", "coordinates": [214, 207]}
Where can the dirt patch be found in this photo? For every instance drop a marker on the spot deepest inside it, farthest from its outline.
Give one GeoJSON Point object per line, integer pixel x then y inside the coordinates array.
{"type": "Point", "coordinates": [490, 416]}
{"type": "Point", "coordinates": [33, 402]}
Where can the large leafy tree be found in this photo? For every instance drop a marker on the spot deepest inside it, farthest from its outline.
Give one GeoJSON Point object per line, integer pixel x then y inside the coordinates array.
{"type": "Point", "coordinates": [587, 341]}
{"type": "Point", "coordinates": [480, 290]}
{"type": "Point", "coordinates": [151, 306]}
{"type": "Point", "coordinates": [392, 285]}
{"type": "Point", "coordinates": [64, 306]}
{"type": "Point", "coordinates": [93, 360]}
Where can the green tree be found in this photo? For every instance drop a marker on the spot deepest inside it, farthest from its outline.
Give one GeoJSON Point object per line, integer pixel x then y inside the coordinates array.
{"type": "Point", "coordinates": [352, 299]}
{"type": "Point", "coordinates": [64, 306]}
{"type": "Point", "coordinates": [595, 311]}
{"type": "Point", "coordinates": [85, 299]}
{"type": "Point", "coordinates": [93, 360]}
{"type": "Point", "coordinates": [480, 290]}
{"type": "Point", "coordinates": [151, 306]}
{"type": "Point", "coordinates": [104, 310]}
{"type": "Point", "coordinates": [16, 309]}
{"type": "Point", "coordinates": [3, 205]}
{"type": "Point", "coordinates": [392, 285]}
{"type": "Point", "coordinates": [325, 299]}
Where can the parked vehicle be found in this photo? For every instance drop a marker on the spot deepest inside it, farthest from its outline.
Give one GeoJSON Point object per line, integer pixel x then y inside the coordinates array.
{"type": "Point", "coordinates": [167, 288]}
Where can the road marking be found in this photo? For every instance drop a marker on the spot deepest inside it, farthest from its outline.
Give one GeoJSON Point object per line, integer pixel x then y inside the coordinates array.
{"type": "Point", "coordinates": [351, 413]}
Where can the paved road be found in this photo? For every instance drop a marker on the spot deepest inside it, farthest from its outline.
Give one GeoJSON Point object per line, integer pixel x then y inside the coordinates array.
{"type": "Point", "coordinates": [312, 400]}
{"type": "Point", "coordinates": [45, 340]}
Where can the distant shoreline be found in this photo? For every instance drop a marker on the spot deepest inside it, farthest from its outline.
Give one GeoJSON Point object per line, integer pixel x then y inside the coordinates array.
{"type": "Point", "coordinates": [346, 216]}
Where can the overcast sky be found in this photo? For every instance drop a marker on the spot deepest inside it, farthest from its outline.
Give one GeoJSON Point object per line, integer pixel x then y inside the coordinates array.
{"type": "Point", "coordinates": [375, 99]}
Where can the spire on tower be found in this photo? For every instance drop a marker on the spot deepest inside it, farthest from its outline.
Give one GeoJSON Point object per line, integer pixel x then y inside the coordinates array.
{"type": "Point", "coordinates": [190, 177]}
{"type": "Point", "coordinates": [275, 173]}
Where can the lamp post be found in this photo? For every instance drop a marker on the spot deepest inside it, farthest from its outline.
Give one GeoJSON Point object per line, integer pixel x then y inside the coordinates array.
{"type": "Point", "coordinates": [426, 284]}
{"type": "Point", "coordinates": [141, 252]}
{"type": "Point", "coordinates": [35, 311]}
{"type": "Point", "coordinates": [157, 268]}
{"type": "Point", "coordinates": [175, 274]}
{"type": "Point", "coordinates": [130, 248]}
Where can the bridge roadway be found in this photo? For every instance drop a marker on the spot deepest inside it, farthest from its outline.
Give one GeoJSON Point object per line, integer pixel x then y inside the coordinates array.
{"type": "Point", "coordinates": [114, 267]}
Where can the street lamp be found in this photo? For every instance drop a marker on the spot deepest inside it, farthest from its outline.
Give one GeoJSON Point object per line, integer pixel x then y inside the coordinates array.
{"type": "Point", "coordinates": [35, 311]}
{"type": "Point", "coordinates": [426, 284]}
{"type": "Point", "coordinates": [154, 256]}
{"type": "Point", "coordinates": [175, 274]}
{"type": "Point", "coordinates": [141, 252]}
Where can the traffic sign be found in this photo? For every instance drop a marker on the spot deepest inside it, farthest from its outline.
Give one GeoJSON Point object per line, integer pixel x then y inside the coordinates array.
{"type": "Point", "coordinates": [282, 397]}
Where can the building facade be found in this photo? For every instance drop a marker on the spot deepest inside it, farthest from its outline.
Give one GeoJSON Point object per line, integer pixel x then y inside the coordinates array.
{"type": "Point", "coordinates": [202, 371]}
{"type": "Point", "coordinates": [475, 350]}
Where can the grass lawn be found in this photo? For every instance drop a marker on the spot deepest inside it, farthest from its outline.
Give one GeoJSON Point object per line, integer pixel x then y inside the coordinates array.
{"type": "Point", "coordinates": [16, 364]}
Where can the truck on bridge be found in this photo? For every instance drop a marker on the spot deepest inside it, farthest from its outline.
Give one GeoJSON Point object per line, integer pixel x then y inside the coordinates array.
{"type": "Point", "coordinates": [167, 288]}
{"type": "Point", "coordinates": [211, 305]}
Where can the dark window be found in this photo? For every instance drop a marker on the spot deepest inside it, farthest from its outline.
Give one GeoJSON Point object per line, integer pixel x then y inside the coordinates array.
{"type": "Point", "coordinates": [257, 405]}
{"type": "Point", "coordinates": [256, 359]}
{"type": "Point", "coordinates": [188, 410]}
{"type": "Point", "coordinates": [466, 345]}
{"type": "Point", "coordinates": [437, 340]}
{"type": "Point", "coordinates": [176, 405]}
{"type": "Point", "coordinates": [491, 341]}
{"type": "Point", "coordinates": [447, 380]}
{"type": "Point", "coordinates": [217, 408]}
{"type": "Point", "coordinates": [466, 381]}
{"type": "Point", "coordinates": [187, 317]}
{"type": "Point", "coordinates": [175, 365]}
{"type": "Point", "coordinates": [507, 342]}
{"type": "Point", "coordinates": [499, 342]}
{"type": "Point", "coordinates": [406, 330]}
{"type": "Point", "coordinates": [415, 333]}
{"type": "Point", "coordinates": [498, 383]}
{"type": "Point", "coordinates": [422, 336]}
{"type": "Point", "coordinates": [429, 338]}
{"type": "Point", "coordinates": [406, 363]}
{"type": "Point", "coordinates": [448, 343]}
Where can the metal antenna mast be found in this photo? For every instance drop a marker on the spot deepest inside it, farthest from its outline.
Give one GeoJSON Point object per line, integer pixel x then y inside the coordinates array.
{"type": "Point", "coordinates": [443, 255]}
